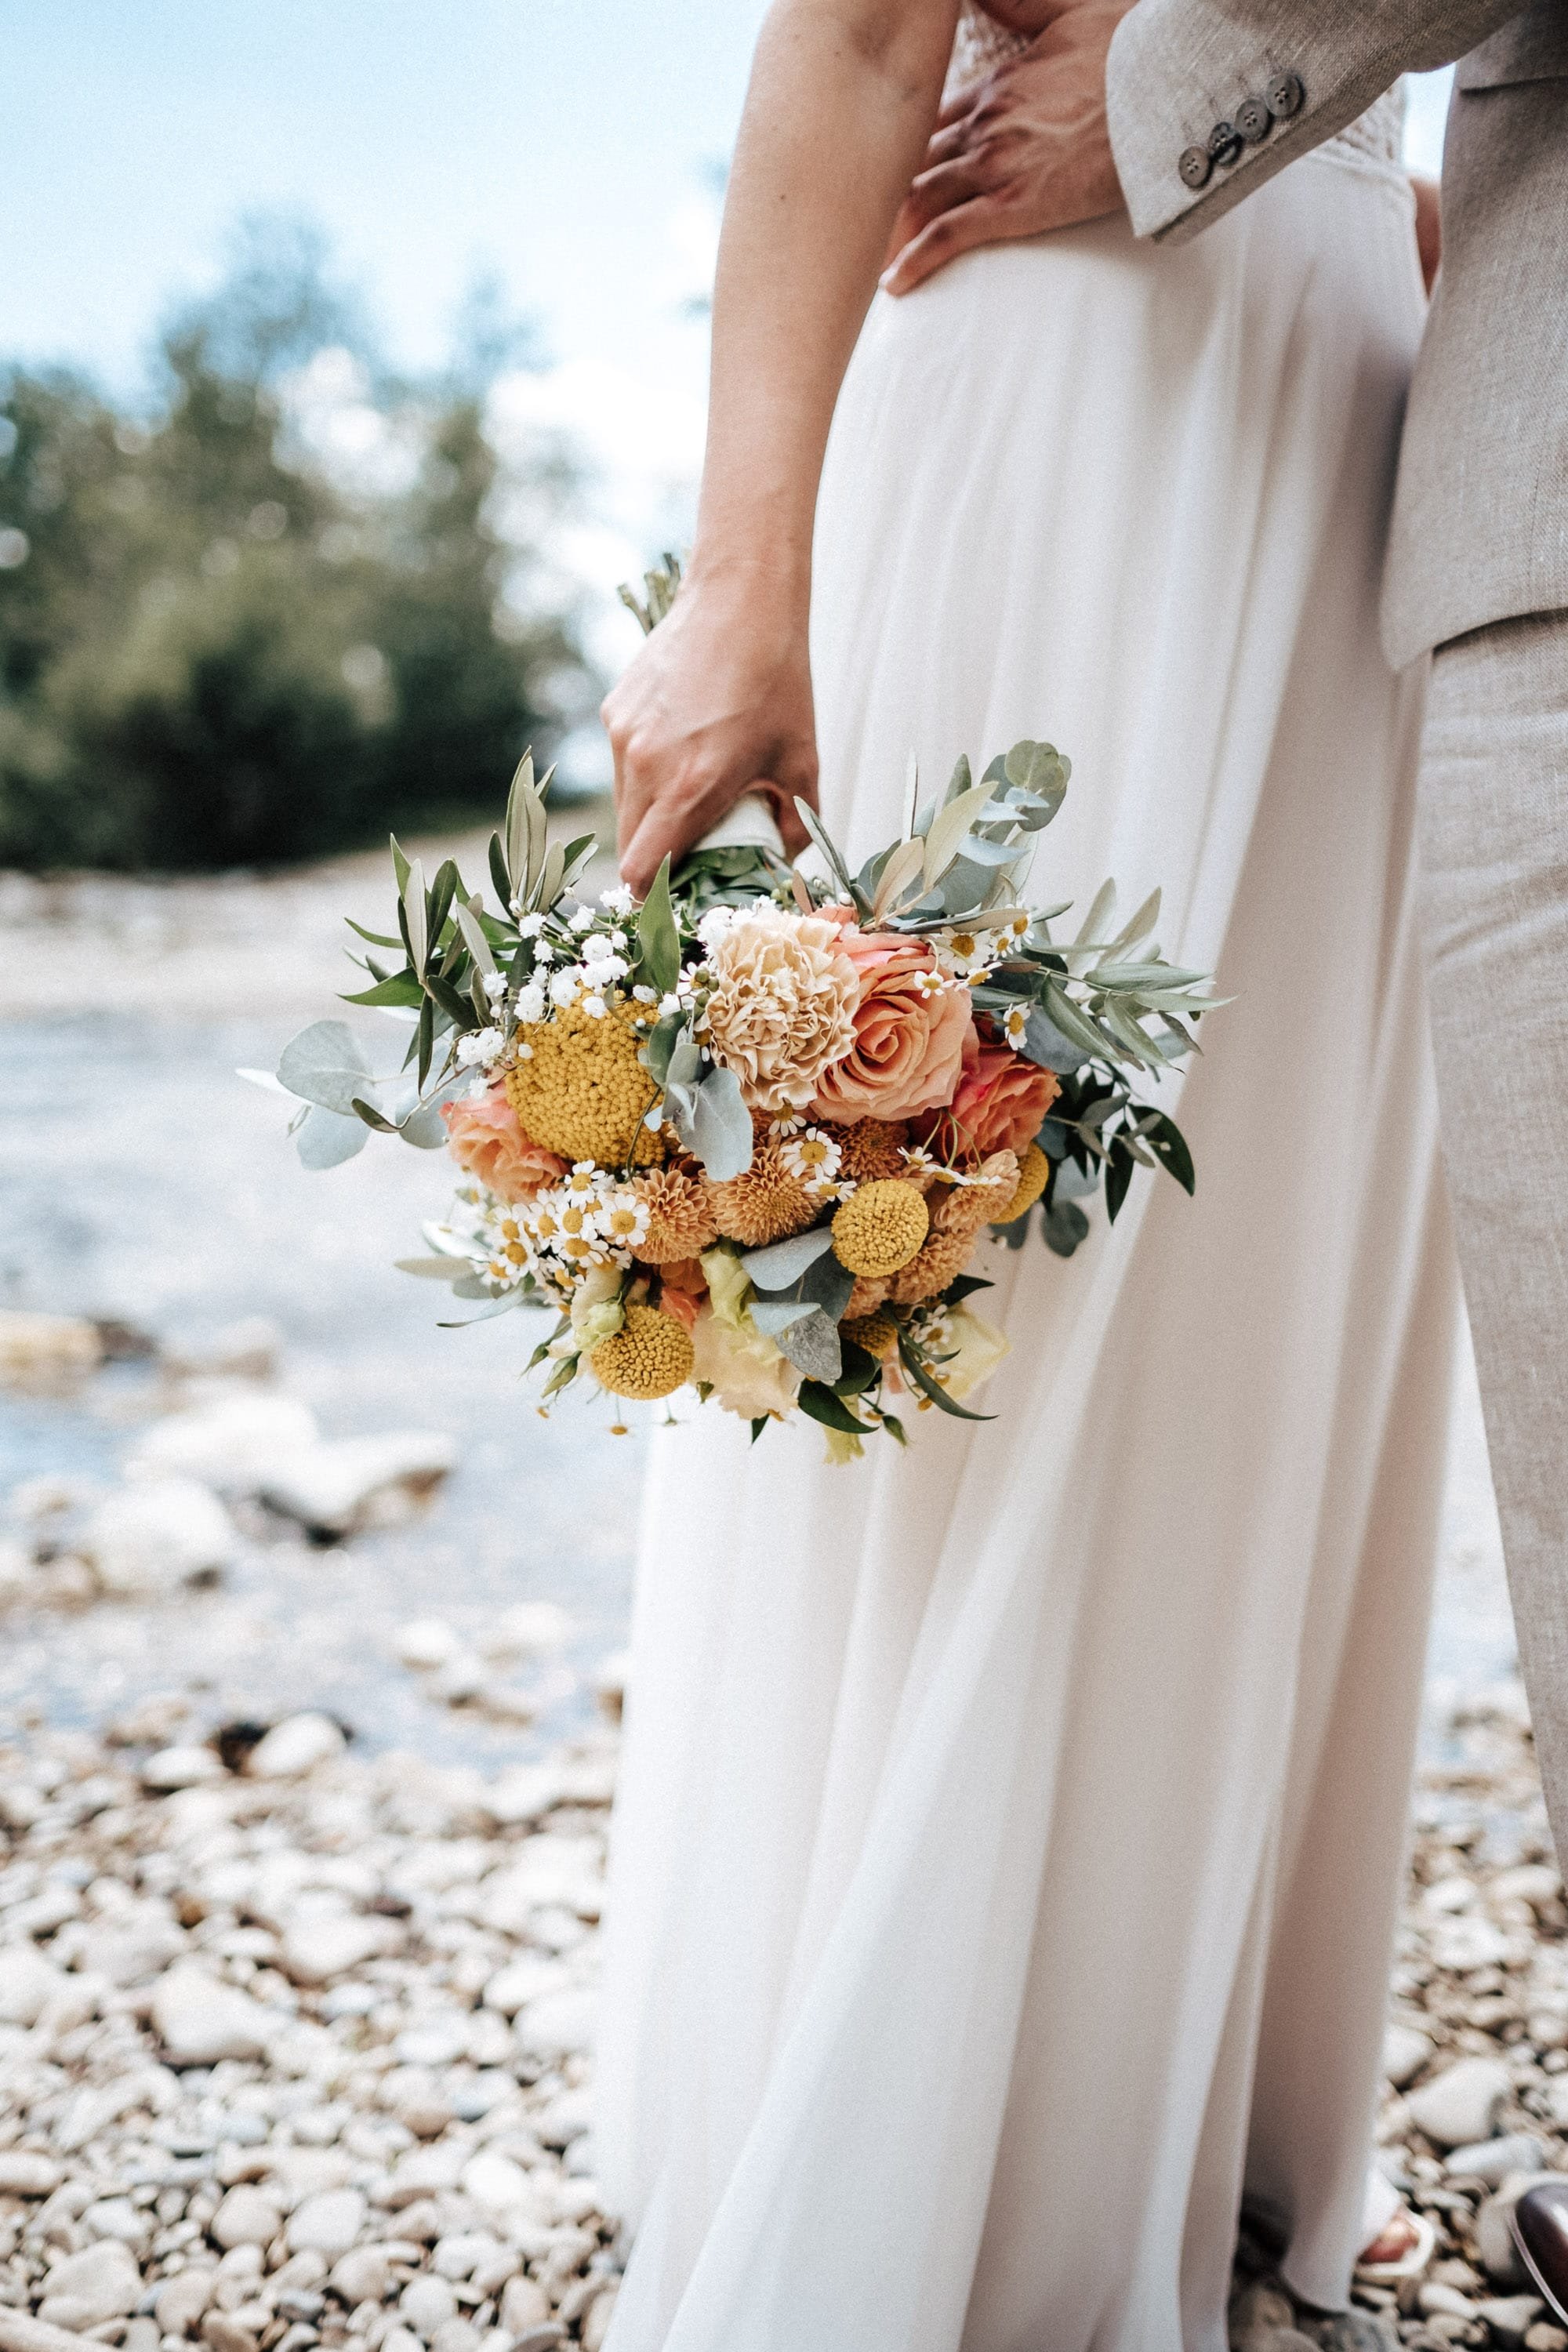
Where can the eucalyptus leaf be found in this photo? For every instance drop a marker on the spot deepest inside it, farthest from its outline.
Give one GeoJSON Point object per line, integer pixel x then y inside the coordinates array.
{"type": "Point", "coordinates": [1065, 1227]}
{"type": "Point", "coordinates": [779, 1264]}
{"type": "Point", "coordinates": [325, 1065]}
{"type": "Point", "coordinates": [721, 1127]}
{"type": "Point", "coordinates": [1045, 1045]}
{"type": "Point", "coordinates": [773, 1316]}
{"type": "Point", "coordinates": [811, 1346]}
{"type": "Point", "coordinates": [324, 1138]}
{"type": "Point", "coordinates": [269, 1080]}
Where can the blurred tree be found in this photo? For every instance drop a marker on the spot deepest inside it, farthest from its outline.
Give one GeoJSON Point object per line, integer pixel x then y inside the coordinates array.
{"type": "Point", "coordinates": [268, 620]}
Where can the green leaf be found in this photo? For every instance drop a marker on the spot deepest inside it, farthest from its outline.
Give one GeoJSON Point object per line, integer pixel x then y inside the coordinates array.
{"type": "Point", "coordinates": [414, 905]}
{"type": "Point", "coordinates": [474, 937]}
{"type": "Point", "coordinates": [810, 1344]}
{"type": "Point", "coordinates": [515, 847]}
{"type": "Point", "coordinates": [780, 1265]}
{"type": "Point", "coordinates": [401, 991]}
{"type": "Point", "coordinates": [914, 1364]}
{"type": "Point", "coordinates": [961, 780]}
{"type": "Point", "coordinates": [762, 1419]}
{"type": "Point", "coordinates": [325, 1138]}
{"type": "Point", "coordinates": [399, 867]}
{"type": "Point", "coordinates": [948, 829]}
{"type": "Point", "coordinates": [721, 1127]}
{"type": "Point", "coordinates": [894, 1427]}
{"type": "Point", "coordinates": [1074, 1024]}
{"type": "Point", "coordinates": [1119, 1166]}
{"type": "Point", "coordinates": [426, 1040]}
{"type": "Point", "coordinates": [498, 875]}
{"type": "Point", "coordinates": [372, 1117]}
{"type": "Point", "coordinates": [1101, 912]}
{"type": "Point", "coordinates": [658, 941]}
{"type": "Point", "coordinates": [861, 1372]}
{"type": "Point", "coordinates": [455, 1005]}
{"type": "Point", "coordinates": [819, 1403]}
{"type": "Point", "coordinates": [376, 939]}
{"type": "Point", "coordinates": [1169, 1145]}
{"type": "Point", "coordinates": [443, 890]}
{"type": "Point", "coordinates": [1039, 770]}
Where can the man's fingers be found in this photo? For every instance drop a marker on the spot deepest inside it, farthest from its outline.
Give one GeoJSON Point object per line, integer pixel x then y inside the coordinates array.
{"type": "Point", "coordinates": [942, 189]}
{"type": "Point", "coordinates": [982, 221]}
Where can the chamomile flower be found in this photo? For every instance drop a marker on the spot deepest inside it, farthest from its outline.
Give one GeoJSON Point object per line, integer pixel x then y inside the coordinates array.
{"type": "Point", "coordinates": [966, 955]}
{"type": "Point", "coordinates": [920, 1162]}
{"type": "Point", "coordinates": [1016, 1026]}
{"type": "Point", "coordinates": [813, 1160]}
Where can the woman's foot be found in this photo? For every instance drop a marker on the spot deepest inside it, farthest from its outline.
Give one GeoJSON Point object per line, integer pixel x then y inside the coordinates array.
{"type": "Point", "coordinates": [1401, 2250]}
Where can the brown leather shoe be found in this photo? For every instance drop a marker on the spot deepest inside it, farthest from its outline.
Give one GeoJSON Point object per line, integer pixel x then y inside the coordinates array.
{"type": "Point", "coordinates": [1540, 2234]}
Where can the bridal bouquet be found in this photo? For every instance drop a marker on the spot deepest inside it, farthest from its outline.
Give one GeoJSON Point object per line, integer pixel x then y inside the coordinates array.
{"type": "Point", "coordinates": [747, 1136]}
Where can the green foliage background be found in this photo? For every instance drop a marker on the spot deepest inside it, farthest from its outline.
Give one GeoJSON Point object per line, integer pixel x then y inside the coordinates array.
{"type": "Point", "coordinates": [215, 651]}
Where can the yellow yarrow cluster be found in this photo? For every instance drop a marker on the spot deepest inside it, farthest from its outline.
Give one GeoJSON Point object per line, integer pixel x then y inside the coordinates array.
{"type": "Point", "coordinates": [579, 1089]}
{"type": "Point", "coordinates": [1034, 1175]}
{"type": "Point", "coordinates": [881, 1227]}
{"type": "Point", "coordinates": [650, 1355]}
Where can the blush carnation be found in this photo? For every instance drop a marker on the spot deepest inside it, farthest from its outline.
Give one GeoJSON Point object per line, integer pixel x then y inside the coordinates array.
{"type": "Point", "coordinates": [484, 1137]}
{"type": "Point", "coordinates": [908, 1032]}
{"type": "Point", "coordinates": [1001, 1098]}
{"type": "Point", "coordinates": [780, 1010]}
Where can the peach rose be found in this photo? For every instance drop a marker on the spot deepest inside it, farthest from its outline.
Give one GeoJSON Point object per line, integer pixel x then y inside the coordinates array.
{"type": "Point", "coordinates": [483, 1136]}
{"type": "Point", "coordinates": [908, 1046]}
{"type": "Point", "coordinates": [684, 1287]}
{"type": "Point", "coordinates": [1001, 1098]}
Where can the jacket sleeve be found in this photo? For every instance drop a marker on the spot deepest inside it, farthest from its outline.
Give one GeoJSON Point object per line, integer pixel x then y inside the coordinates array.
{"type": "Point", "coordinates": [1207, 98]}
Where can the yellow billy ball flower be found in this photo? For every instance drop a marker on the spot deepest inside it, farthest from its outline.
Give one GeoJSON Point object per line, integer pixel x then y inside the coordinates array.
{"type": "Point", "coordinates": [582, 1091]}
{"type": "Point", "coordinates": [874, 1333]}
{"type": "Point", "coordinates": [1034, 1175]}
{"type": "Point", "coordinates": [649, 1356]}
{"type": "Point", "coordinates": [879, 1228]}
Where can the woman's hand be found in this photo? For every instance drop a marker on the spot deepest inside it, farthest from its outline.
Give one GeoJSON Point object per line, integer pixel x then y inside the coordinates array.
{"type": "Point", "coordinates": [718, 703]}
{"type": "Point", "coordinates": [1428, 225]}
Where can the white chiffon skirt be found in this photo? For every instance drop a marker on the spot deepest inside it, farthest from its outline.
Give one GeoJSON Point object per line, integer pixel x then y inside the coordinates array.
{"type": "Point", "coordinates": [1007, 1852]}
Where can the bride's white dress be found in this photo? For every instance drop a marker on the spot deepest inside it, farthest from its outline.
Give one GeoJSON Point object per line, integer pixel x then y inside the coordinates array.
{"type": "Point", "coordinates": [1009, 1831]}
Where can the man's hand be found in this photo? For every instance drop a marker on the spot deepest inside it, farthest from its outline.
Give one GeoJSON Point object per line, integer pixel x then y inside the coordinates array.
{"type": "Point", "coordinates": [717, 703]}
{"type": "Point", "coordinates": [1024, 150]}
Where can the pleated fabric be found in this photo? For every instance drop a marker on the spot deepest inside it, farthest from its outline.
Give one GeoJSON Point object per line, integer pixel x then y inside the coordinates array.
{"type": "Point", "coordinates": [1006, 1851]}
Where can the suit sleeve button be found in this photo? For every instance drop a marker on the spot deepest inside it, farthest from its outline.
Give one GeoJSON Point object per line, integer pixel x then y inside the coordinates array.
{"type": "Point", "coordinates": [1285, 96]}
{"type": "Point", "coordinates": [1253, 121]}
{"type": "Point", "coordinates": [1223, 144]}
{"type": "Point", "coordinates": [1195, 166]}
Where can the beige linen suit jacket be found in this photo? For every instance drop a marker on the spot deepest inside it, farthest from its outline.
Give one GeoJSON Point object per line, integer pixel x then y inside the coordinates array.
{"type": "Point", "coordinates": [1209, 98]}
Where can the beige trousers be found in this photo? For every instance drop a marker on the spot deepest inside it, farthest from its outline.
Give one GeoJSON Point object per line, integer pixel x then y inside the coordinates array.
{"type": "Point", "coordinates": [1494, 838]}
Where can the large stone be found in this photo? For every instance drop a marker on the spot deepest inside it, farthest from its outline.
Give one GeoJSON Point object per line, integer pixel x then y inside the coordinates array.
{"type": "Point", "coordinates": [427, 2303]}
{"type": "Point", "coordinates": [28, 1984]}
{"type": "Point", "coordinates": [1405, 2050]}
{"type": "Point", "coordinates": [427, 1643]}
{"type": "Point", "coordinates": [521, 1981]}
{"type": "Point", "coordinates": [200, 2019]}
{"type": "Point", "coordinates": [1492, 2161]}
{"type": "Point", "coordinates": [182, 2300]}
{"type": "Point", "coordinates": [246, 2217]}
{"type": "Point", "coordinates": [560, 2025]}
{"type": "Point", "coordinates": [360, 1482]}
{"type": "Point", "coordinates": [22, 2174]}
{"type": "Point", "coordinates": [496, 2183]}
{"type": "Point", "coordinates": [523, 2305]}
{"type": "Point", "coordinates": [45, 1348]}
{"type": "Point", "coordinates": [1458, 2106]}
{"type": "Point", "coordinates": [296, 1745]}
{"type": "Point", "coordinates": [233, 1441]}
{"type": "Point", "coordinates": [1510, 2317]}
{"type": "Point", "coordinates": [363, 2275]}
{"type": "Point", "coordinates": [100, 2283]}
{"type": "Point", "coordinates": [152, 1537]}
{"type": "Point", "coordinates": [320, 1944]}
{"type": "Point", "coordinates": [180, 1768]}
{"type": "Point", "coordinates": [328, 2224]}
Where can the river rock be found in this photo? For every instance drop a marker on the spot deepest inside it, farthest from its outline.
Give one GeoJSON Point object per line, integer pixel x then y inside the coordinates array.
{"type": "Point", "coordinates": [233, 1441]}
{"type": "Point", "coordinates": [28, 1984]}
{"type": "Point", "coordinates": [559, 2025]}
{"type": "Point", "coordinates": [363, 2275]}
{"type": "Point", "coordinates": [1492, 2161]}
{"type": "Point", "coordinates": [1405, 2050]}
{"type": "Point", "coordinates": [427, 2303]}
{"type": "Point", "coordinates": [180, 1768]}
{"type": "Point", "coordinates": [318, 1946]}
{"type": "Point", "coordinates": [200, 2019]}
{"type": "Point", "coordinates": [152, 1537]}
{"type": "Point", "coordinates": [496, 2183]}
{"type": "Point", "coordinates": [182, 2300]}
{"type": "Point", "coordinates": [296, 1745]}
{"type": "Point", "coordinates": [523, 2305]}
{"type": "Point", "coordinates": [22, 2174]}
{"type": "Point", "coordinates": [427, 1643]}
{"type": "Point", "coordinates": [45, 1347]}
{"type": "Point", "coordinates": [360, 1482]}
{"type": "Point", "coordinates": [246, 2217]}
{"type": "Point", "coordinates": [521, 1981]}
{"type": "Point", "coordinates": [83, 2290]}
{"type": "Point", "coordinates": [327, 2223]}
{"type": "Point", "coordinates": [1457, 2106]}
{"type": "Point", "coordinates": [528, 1629]}
{"type": "Point", "coordinates": [1510, 2317]}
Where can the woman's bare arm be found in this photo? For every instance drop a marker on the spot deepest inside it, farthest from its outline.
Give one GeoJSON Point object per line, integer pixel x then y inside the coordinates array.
{"type": "Point", "coordinates": [842, 99]}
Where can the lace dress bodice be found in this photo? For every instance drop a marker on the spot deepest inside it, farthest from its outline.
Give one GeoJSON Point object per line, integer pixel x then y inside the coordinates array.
{"type": "Point", "coordinates": [1373, 139]}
